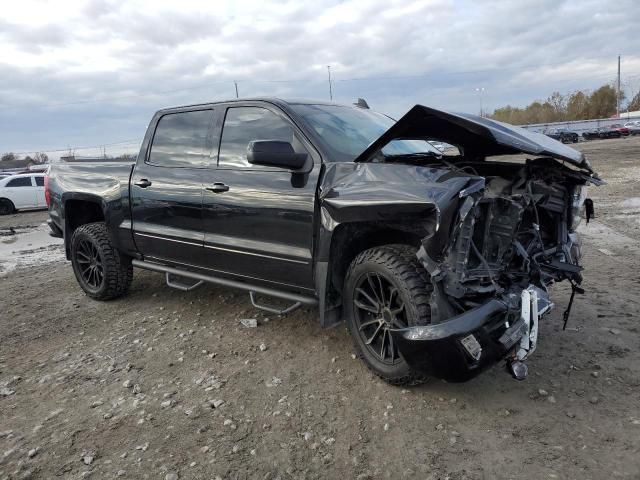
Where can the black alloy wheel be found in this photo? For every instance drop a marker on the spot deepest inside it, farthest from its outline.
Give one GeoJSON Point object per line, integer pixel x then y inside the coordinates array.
{"type": "Point", "coordinates": [377, 309]}
{"type": "Point", "coordinates": [90, 264]}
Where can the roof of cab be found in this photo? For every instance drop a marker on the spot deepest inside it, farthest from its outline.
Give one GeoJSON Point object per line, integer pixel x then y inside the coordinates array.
{"type": "Point", "coordinates": [273, 100]}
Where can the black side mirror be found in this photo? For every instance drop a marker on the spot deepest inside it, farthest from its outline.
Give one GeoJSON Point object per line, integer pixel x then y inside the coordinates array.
{"type": "Point", "coordinates": [275, 153]}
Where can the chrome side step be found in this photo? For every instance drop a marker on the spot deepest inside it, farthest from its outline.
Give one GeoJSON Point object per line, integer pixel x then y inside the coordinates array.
{"type": "Point", "coordinates": [269, 292]}
{"type": "Point", "coordinates": [181, 286]}
{"type": "Point", "coordinates": [267, 308]}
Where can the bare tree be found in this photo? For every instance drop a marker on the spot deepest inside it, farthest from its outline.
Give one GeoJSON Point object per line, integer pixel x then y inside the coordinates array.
{"type": "Point", "coordinates": [40, 158]}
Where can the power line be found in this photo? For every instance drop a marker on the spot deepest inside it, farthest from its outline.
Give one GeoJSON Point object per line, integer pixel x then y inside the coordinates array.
{"type": "Point", "coordinates": [66, 149]}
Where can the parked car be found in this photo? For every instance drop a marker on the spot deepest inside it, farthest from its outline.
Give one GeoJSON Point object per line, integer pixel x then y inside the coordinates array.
{"type": "Point", "coordinates": [440, 266]}
{"type": "Point", "coordinates": [601, 133]}
{"type": "Point", "coordinates": [624, 131]}
{"type": "Point", "coordinates": [634, 127]}
{"type": "Point", "coordinates": [563, 135]}
{"type": "Point", "coordinates": [21, 192]}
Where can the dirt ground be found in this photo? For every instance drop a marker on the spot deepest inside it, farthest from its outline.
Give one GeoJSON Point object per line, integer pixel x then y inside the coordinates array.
{"type": "Point", "coordinates": [165, 384]}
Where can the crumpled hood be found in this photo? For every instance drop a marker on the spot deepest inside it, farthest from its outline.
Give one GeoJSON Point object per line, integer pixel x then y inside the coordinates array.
{"type": "Point", "coordinates": [475, 136]}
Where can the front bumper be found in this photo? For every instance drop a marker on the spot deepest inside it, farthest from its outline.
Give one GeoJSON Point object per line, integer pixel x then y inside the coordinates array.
{"type": "Point", "coordinates": [463, 346]}
{"type": "Point", "coordinates": [56, 231]}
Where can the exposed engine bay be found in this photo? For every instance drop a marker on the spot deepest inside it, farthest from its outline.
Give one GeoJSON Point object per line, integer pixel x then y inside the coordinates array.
{"type": "Point", "coordinates": [514, 229]}
{"type": "Point", "coordinates": [512, 237]}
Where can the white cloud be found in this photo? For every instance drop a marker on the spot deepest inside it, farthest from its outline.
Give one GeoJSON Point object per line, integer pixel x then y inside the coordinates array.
{"type": "Point", "coordinates": [395, 53]}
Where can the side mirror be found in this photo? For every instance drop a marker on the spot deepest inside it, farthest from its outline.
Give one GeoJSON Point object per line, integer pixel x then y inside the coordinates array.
{"type": "Point", "coordinates": [275, 153]}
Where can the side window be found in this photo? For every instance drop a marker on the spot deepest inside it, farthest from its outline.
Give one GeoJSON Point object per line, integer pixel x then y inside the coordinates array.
{"type": "Point", "coordinates": [39, 181]}
{"type": "Point", "coordinates": [20, 182]}
{"type": "Point", "coordinates": [245, 124]}
{"type": "Point", "coordinates": [182, 140]}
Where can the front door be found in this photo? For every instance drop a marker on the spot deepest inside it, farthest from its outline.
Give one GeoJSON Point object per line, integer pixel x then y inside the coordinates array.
{"type": "Point", "coordinates": [22, 192]}
{"type": "Point", "coordinates": [166, 188]}
{"type": "Point", "coordinates": [258, 221]}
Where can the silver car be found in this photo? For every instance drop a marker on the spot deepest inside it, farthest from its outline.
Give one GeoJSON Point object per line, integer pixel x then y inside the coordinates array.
{"type": "Point", "coordinates": [634, 127]}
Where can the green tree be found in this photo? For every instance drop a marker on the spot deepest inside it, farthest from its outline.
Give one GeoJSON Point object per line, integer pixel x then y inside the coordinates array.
{"type": "Point", "coordinates": [603, 101]}
{"type": "Point", "coordinates": [558, 107]}
{"type": "Point", "coordinates": [578, 106]}
{"type": "Point", "coordinates": [558, 103]}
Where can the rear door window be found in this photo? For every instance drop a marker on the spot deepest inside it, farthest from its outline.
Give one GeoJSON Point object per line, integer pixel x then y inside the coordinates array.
{"type": "Point", "coordinates": [245, 124]}
{"type": "Point", "coordinates": [182, 140]}
{"type": "Point", "coordinates": [39, 181]}
{"type": "Point", "coordinates": [20, 182]}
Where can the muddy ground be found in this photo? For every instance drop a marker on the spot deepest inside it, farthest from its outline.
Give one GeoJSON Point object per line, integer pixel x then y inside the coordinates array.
{"type": "Point", "coordinates": [165, 384]}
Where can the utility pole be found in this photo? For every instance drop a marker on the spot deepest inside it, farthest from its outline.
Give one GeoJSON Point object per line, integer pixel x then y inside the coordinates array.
{"type": "Point", "coordinates": [330, 87]}
{"type": "Point", "coordinates": [236, 84]}
{"type": "Point", "coordinates": [480, 91]}
{"type": "Point", "coordinates": [618, 93]}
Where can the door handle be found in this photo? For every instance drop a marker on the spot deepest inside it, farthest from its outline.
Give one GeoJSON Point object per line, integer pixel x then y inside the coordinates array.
{"type": "Point", "coordinates": [218, 187]}
{"type": "Point", "coordinates": [143, 183]}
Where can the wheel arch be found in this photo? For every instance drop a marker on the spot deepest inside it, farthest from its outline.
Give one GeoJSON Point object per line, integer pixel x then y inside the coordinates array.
{"type": "Point", "coordinates": [342, 246]}
{"type": "Point", "coordinates": [78, 210]}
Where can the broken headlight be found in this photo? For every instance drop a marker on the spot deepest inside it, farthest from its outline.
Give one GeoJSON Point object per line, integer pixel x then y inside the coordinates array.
{"type": "Point", "coordinates": [577, 205]}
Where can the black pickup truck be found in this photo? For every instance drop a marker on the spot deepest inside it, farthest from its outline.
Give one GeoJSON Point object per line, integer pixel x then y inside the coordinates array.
{"type": "Point", "coordinates": [439, 264]}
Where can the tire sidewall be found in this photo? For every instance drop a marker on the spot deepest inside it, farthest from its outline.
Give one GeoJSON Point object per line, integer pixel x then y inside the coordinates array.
{"type": "Point", "coordinates": [401, 368]}
{"type": "Point", "coordinates": [6, 207]}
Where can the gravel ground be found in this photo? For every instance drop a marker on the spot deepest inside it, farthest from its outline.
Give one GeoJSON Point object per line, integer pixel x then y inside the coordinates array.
{"type": "Point", "coordinates": [165, 384]}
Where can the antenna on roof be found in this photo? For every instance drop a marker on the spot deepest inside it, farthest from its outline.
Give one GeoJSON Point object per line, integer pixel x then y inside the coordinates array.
{"type": "Point", "coordinates": [362, 103]}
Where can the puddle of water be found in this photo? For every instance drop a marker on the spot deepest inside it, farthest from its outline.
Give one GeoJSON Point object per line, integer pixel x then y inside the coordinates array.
{"type": "Point", "coordinates": [633, 202]}
{"type": "Point", "coordinates": [31, 246]}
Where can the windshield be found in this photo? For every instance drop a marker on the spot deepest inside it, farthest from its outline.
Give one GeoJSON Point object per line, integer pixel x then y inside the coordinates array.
{"type": "Point", "coordinates": [347, 131]}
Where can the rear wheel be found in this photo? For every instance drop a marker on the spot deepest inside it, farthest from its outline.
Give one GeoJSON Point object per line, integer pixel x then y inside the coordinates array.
{"type": "Point", "coordinates": [102, 272]}
{"type": "Point", "coordinates": [6, 206]}
{"type": "Point", "coordinates": [386, 288]}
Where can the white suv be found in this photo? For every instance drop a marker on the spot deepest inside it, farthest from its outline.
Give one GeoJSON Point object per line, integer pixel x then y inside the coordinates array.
{"type": "Point", "coordinates": [22, 191]}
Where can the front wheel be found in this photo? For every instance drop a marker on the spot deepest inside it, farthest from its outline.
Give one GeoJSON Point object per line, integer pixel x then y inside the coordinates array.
{"type": "Point", "coordinates": [386, 288]}
{"type": "Point", "coordinates": [102, 272]}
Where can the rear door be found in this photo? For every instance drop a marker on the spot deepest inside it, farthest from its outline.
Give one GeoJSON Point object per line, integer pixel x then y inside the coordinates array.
{"type": "Point", "coordinates": [166, 188]}
{"type": "Point", "coordinates": [257, 220]}
{"type": "Point", "coordinates": [21, 191]}
{"type": "Point", "coordinates": [39, 182]}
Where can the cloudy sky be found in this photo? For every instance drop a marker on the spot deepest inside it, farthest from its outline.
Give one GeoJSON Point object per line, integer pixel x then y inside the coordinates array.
{"type": "Point", "coordinates": [83, 73]}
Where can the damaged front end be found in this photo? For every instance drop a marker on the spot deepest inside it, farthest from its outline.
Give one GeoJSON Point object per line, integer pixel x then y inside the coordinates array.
{"type": "Point", "coordinates": [507, 235]}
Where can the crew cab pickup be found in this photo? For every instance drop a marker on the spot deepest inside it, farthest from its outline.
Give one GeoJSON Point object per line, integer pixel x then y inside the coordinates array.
{"type": "Point", "coordinates": [439, 265]}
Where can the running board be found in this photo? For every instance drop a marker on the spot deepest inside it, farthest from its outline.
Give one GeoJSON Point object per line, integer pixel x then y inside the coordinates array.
{"type": "Point", "coordinates": [270, 292]}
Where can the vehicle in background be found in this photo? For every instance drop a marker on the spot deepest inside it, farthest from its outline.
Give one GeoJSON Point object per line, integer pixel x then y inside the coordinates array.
{"type": "Point", "coordinates": [563, 135]}
{"type": "Point", "coordinates": [21, 192]}
{"type": "Point", "coordinates": [601, 133]}
{"type": "Point", "coordinates": [440, 265]}
{"type": "Point", "coordinates": [634, 127]}
{"type": "Point", "coordinates": [624, 131]}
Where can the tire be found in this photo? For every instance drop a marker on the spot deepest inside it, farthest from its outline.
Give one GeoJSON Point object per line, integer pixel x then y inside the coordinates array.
{"type": "Point", "coordinates": [397, 267]}
{"type": "Point", "coordinates": [6, 207]}
{"type": "Point", "coordinates": [102, 272]}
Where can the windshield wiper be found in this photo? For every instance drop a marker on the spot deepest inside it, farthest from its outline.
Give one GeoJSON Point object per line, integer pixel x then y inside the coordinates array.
{"type": "Point", "coordinates": [411, 156]}
{"type": "Point", "coordinates": [415, 155]}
